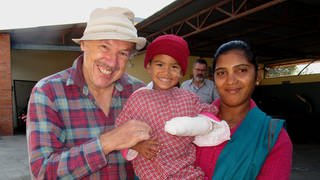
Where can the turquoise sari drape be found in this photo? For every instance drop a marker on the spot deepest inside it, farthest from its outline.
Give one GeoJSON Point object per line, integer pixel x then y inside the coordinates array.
{"type": "Point", "coordinates": [244, 155]}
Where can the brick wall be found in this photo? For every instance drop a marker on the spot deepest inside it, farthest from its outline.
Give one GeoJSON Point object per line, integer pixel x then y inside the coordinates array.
{"type": "Point", "coordinates": [6, 122]}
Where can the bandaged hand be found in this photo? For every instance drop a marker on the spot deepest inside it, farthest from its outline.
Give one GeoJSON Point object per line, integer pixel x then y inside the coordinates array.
{"type": "Point", "coordinates": [188, 126]}
{"type": "Point", "coordinates": [207, 129]}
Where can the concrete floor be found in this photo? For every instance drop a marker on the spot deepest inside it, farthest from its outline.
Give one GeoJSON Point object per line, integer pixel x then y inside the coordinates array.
{"type": "Point", "coordinates": [306, 162]}
{"type": "Point", "coordinates": [14, 160]}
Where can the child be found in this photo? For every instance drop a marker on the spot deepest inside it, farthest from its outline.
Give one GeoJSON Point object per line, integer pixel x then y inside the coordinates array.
{"type": "Point", "coordinates": [166, 62]}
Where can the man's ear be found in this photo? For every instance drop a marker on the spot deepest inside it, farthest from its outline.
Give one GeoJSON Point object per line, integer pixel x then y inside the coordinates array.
{"type": "Point", "coordinates": [82, 45]}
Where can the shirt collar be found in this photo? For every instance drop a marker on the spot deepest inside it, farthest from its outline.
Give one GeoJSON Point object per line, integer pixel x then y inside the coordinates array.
{"type": "Point", "coordinates": [193, 84]}
{"type": "Point", "coordinates": [76, 76]}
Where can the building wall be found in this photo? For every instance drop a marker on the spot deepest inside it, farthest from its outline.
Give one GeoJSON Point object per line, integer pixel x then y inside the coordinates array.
{"type": "Point", "coordinates": [5, 86]}
{"type": "Point", "coordinates": [33, 65]}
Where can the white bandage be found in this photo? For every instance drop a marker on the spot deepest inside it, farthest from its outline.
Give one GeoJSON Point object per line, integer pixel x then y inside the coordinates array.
{"type": "Point", "coordinates": [188, 126]}
{"type": "Point", "coordinates": [207, 131]}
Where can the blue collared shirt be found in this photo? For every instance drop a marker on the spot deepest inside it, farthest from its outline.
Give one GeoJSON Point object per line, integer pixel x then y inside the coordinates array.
{"type": "Point", "coordinates": [207, 92]}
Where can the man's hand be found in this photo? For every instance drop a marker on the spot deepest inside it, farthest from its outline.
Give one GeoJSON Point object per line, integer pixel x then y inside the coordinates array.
{"type": "Point", "coordinates": [148, 148]}
{"type": "Point", "coordinates": [125, 136]}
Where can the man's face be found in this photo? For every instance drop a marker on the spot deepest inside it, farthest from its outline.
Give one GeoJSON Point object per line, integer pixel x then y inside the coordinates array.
{"type": "Point", "coordinates": [199, 72]}
{"type": "Point", "coordinates": [105, 61]}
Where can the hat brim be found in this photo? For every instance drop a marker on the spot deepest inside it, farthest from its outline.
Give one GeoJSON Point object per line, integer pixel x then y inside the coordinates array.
{"type": "Point", "coordinates": [140, 41]}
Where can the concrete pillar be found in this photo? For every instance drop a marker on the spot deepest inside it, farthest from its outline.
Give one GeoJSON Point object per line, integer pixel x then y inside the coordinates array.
{"type": "Point", "coordinates": [6, 121]}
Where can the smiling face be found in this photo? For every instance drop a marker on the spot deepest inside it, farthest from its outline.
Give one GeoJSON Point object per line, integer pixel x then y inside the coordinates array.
{"type": "Point", "coordinates": [104, 61]}
{"type": "Point", "coordinates": [165, 72]}
{"type": "Point", "coordinates": [235, 78]}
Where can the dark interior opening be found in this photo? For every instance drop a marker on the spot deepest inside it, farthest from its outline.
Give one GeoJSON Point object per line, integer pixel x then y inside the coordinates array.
{"type": "Point", "coordinates": [298, 104]}
{"type": "Point", "coordinates": [22, 90]}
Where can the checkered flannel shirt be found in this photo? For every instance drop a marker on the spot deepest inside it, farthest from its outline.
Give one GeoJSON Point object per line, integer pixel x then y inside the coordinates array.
{"type": "Point", "coordinates": [177, 154]}
{"type": "Point", "coordinates": [63, 126]}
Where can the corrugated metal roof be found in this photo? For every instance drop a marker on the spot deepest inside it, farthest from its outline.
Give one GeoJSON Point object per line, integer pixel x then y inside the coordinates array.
{"type": "Point", "coordinates": [276, 29]}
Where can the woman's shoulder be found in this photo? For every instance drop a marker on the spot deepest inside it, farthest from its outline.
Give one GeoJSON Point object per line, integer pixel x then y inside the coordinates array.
{"type": "Point", "coordinates": [284, 139]}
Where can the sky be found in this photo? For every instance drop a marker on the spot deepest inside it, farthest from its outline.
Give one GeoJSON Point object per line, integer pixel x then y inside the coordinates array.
{"type": "Point", "coordinates": [32, 13]}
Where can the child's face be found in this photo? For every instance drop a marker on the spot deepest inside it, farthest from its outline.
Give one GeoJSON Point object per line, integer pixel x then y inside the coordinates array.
{"type": "Point", "coordinates": [165, 72]}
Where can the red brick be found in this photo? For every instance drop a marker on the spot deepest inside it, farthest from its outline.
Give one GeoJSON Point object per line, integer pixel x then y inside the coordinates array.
{"type": "Point", "coordinates": [6, 121]}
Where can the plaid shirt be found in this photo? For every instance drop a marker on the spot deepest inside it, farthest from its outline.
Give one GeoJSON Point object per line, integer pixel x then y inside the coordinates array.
{"type": "Point", "coordinates": [64, 124]}
{"type": "Point", "coordinates": [177, 154]}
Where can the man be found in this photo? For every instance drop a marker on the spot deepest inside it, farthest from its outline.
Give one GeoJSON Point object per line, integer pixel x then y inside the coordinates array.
{"type": "Point", "coordinates": [71, 114]}
{"type": "Point", "coordinates": [201, 86]}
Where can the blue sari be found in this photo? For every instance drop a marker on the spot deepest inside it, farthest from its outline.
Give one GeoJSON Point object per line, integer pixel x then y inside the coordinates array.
{"type": "Point", "coordinates": [244, 155]}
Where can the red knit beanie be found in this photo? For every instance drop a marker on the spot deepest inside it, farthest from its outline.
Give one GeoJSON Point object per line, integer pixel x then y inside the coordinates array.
{"type": "Point", "coordinates": [171, 45]}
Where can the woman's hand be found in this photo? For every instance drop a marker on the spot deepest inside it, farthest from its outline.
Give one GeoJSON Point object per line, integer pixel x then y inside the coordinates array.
{"type": "Point", "coordinates": [148, 148]}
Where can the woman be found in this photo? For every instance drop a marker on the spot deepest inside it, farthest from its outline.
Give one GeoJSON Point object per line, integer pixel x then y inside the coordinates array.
{"type": "Point", "coordinates": [260, 147]}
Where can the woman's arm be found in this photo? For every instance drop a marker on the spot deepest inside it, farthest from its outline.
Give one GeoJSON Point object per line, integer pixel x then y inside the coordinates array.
{"type": "Point", "coordinates": [279, 161]}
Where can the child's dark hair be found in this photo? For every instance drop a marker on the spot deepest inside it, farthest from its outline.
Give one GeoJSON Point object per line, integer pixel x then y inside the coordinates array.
{"type": "Point", "coordinates": [235, 45]}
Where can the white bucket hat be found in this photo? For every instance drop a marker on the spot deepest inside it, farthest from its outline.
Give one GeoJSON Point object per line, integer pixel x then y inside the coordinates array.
{"type": "Point", "coordinates": [112, 23]}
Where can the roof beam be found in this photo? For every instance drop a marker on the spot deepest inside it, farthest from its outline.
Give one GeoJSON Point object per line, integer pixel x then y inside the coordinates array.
{"type": "Point", "coordinates": [155, 17]}
{"type": "Point", "coordinates": [45, 47]}
{"type": "Point", "coordinates": [228, 10]}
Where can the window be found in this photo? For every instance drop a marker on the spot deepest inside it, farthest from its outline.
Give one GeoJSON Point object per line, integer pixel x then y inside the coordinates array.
{"type": "Point", "coordinates": [304, 67]}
